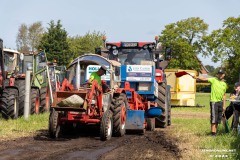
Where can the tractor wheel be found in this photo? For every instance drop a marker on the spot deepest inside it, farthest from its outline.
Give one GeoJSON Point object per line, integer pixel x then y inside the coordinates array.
{"type": "Point", "coordinates": [9, 103]}
{"type": "Point", "coordinates": [162, 102]}
{"type": "Point", "coordinates": [45, 100]}
{"type": "Point", "coordinates": [169, 105]}
{"type": "Point", "coordinates": [20, 84]}
{"type": "Point", "coordinates": [150, 124]}
{"type": "Point", "coordinates": [119, 108]}
{"type": "Point", "coordinates": [106, 126]}
{"type": "Point", "coordinates": [53, 127]}
{"type": "Point", "coordinates": [35, 101]}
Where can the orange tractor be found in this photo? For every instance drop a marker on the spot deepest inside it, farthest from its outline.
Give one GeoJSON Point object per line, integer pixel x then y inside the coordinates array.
{"type": "Point", "coordinates": [75, 103]}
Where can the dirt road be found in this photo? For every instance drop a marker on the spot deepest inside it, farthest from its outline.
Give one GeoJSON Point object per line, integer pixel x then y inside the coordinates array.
{"type": "Point", "coordinates": [87, 146]}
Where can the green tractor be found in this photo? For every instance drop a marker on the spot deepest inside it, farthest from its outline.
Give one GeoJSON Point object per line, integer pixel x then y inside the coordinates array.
{"type": "Point", "coordinates": [15, 64]}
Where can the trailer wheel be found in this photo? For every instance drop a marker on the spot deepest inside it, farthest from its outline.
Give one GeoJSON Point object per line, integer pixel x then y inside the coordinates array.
{"type": "Point", "coordinates": [20, 84]}
{"type": "Point", "coordinates": [162, 101]}
{"type": "Point", "coordinates": [119, 107]}
{"type": "Point", "coordinates": [150, 124]}
{"type": "Point", "coordinates": [106, 126]}
{"type": "Point", "coordinates": [9, 103]}
{"type": "Point", "coordinates": [45, 100]}
{"type": "Point", "coordinates": [35, 101]}
{"type": "Point", "coordinates": [54, 127]}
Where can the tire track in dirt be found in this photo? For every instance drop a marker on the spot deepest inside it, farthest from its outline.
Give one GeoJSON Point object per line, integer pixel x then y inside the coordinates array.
{"type": "Point", "coordinates": [151, 145]}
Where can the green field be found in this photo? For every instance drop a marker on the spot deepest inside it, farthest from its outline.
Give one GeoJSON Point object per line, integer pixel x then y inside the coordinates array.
{"type": "Point", "coordinates": [189, 125]}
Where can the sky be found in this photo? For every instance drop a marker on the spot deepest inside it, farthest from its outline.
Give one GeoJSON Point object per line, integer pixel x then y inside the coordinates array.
{"type": "Point", "coordinates": [125, 20]}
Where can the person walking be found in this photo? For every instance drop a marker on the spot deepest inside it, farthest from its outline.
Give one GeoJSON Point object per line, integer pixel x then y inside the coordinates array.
{"type": "Point", "coordinates": [217, 98]}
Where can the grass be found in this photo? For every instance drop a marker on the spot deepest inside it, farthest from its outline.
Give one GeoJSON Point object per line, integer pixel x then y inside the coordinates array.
{"type": "Point", "coordinates": [11, 129]}
{"type": "Point", "coordinates": [194, 134]}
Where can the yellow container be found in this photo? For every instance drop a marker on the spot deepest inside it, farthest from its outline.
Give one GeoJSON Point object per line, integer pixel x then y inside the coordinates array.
{"type": "Point", "coordinates": [183, 89]}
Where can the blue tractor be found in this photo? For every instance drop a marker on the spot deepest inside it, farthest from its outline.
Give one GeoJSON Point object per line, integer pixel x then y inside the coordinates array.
{"type": "Point", "coordinates": [143, 79]}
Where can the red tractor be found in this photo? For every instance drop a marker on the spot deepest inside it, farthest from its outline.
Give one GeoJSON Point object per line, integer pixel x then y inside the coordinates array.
{"type": "Point", "coordinates": [96, 105]}
{"type": "Point", "coordinates": [113, 111]}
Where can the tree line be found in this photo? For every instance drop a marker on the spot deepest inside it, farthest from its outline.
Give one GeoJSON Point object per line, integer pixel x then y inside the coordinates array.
{"type": "Point", "coordinates": [187, 38]}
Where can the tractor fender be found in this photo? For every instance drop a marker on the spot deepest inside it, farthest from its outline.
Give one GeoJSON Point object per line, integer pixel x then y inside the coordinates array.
{"type": "Point", "coordinates": [35, 87]}
{"type": "Point", "coordinates": [13, 87]}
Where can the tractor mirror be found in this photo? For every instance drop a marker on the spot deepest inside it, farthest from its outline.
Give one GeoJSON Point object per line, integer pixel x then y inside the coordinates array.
{"type": "Point", "coordinates": [21, 56]}
{"type": "Point", "coordinates": [98, 51]}
{"type": "Point", "coordinates": [168, 53]}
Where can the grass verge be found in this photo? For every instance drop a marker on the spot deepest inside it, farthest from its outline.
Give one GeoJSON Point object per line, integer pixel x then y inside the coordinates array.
{"type": "Point", "coordinates": [11, 129]}
{"type": "Point", "coordinates": [193, 132]}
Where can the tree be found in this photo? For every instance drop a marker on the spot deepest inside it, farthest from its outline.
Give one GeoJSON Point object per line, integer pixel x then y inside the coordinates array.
{"type": "Point", "coordinates": [85, 44]}
{"type": "Point", "coordinates": [55, 44]}
{"type": "Point", "coordinates": [35, 32]}
{"type": "Point", "coordinates": [211, 69]}
{"type": "Point", "coordinates": [22, 39]}
{"type": "Point", "coordinates": [223, 44]}
{"type": "Point", "coordinates": [184, 37]}
{"type": "Point", "coordinates": [28, 37]}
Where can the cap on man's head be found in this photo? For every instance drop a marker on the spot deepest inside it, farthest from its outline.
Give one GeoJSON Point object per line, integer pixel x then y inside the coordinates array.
{"type": "Point", "coordinates": [237, 84]}
{"type": "Point", "coordinates": [220, 71]}
{"type": "Point", "coordinates": [104, 69]}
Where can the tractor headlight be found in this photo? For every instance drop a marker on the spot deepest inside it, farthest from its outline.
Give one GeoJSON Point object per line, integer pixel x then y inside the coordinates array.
{"type": "Point", "coordinates": [115, 52]}
{"type": "Point", "coordinates": [108, 47]}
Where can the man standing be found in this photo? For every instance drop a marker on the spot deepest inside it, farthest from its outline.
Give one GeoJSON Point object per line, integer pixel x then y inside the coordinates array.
{"type": "Point", "coordinates": [217, 99]}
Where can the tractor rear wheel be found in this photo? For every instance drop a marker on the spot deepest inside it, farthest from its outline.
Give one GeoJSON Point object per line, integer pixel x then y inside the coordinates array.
{"type": "Point", "coordinates": [53, 127]}
{"type": "Point", "coordinates": [106, 126]}
{"type": "Point", "coordinates": [162, 102]}
{"type": "Point", "coordinates": [150, 124]}
{"type": "Point", "coordinates": [45, 101]}
{"type": "Point", "coordinates": [20, 84]}
{"type": "Point", "coordinates": [35, 101]}
{"type": "Point", "coordinates": [119, 107]}
{"type": "Point", "coordinates": [169, 105]}
{"type": "Point", "coordinates": [9, 103]}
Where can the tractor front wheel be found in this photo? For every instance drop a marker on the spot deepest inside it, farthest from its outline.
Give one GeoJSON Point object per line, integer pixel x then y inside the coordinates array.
{"type": "Point", "coordinates": [119, 107]}
{"type": "Point", "coordinates": [54, 127]}
{"type": "Point", "coordinates": [35, 101]}
{"type": "Point", "coordinates": [45, 100]}
{"type": "Point", "coordinates": [106, 126]}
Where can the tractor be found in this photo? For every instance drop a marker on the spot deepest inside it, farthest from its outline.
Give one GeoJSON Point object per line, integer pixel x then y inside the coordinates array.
{"type": "Point", "coordinates": [142, 66]}
{"type": "Point", "coordinates": [15, 66]}
{"type": "Point", "coordinates": [96, 106]}
{"type": "Point", "coordinates": [106, 107]}
{"type": "Point", "coordinates": [9, 96]}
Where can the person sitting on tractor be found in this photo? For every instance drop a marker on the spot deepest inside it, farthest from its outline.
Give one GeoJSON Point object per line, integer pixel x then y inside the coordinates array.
{"type": "Point", "coordinates": [97, 76]}
{"type": "Point", "coordinates": [129, 59]}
